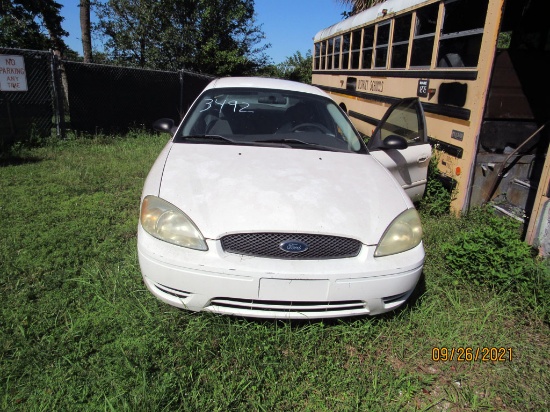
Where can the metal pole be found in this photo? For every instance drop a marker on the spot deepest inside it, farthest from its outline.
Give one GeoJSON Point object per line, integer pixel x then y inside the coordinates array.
{"type": "Point", "coordinates": [59, 106]}
{"type": "Point", "coordinates": [180, 109]}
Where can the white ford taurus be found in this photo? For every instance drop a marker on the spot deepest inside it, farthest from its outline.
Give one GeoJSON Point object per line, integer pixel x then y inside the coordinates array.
{"type": "Point", "coordinates": [266, 203]}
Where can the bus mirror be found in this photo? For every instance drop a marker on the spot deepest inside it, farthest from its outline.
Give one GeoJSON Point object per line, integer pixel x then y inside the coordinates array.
{"type": "Point", "coordinates": [394, 141]}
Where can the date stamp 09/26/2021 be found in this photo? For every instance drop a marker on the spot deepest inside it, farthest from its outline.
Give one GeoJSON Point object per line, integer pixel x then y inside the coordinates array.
{"type": "Point", "coordinates": [472, 354]}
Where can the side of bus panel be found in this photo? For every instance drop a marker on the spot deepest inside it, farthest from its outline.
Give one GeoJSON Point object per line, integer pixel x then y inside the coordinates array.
{"type": "Point", "coordinates": [538, 231]}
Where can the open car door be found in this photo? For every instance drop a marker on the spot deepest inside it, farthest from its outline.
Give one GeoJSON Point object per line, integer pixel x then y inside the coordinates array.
{"type": "Point", "coordinates": [400, 143]}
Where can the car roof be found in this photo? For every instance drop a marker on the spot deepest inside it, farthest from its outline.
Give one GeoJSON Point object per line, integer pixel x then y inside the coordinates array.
{"type": "Point", "coordinates": [264, 83]}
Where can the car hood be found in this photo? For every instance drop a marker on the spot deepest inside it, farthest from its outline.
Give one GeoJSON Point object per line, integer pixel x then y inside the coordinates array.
{"type": "Point", "coordinates": [235, 189]}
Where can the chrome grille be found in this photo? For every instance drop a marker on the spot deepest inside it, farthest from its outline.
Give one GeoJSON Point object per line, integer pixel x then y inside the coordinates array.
{"type": "Point", "coordinates": [267, 245]}
{"type": "Point", "coordinates": [174, 292]}
{"type": "Point", "coordinates": [286, 306]}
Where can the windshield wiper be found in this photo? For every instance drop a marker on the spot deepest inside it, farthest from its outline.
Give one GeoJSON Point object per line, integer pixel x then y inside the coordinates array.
{"type": "Point", "coordinates": [210, 137]}
{"type": "Point", "coordinates": [286, 141]}
{"type": "Point", "coordinates": [298, 141]}
{"type": "Point", "coordinates": [219, 138]}
{"type": "Point", "coordinates": [268, 142]}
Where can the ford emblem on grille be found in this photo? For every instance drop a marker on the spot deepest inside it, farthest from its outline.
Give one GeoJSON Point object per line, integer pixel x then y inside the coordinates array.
{"type": "Point", "coordinates": [293, 246]}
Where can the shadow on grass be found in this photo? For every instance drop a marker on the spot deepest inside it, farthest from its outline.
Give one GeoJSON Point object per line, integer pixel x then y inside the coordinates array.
{"type": "Point", "coordinates": [15, 160]}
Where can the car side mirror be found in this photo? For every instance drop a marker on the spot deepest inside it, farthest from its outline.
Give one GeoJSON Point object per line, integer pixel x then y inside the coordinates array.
{"type": "Point", "coordinates": [394, 141]}
{"type": "Point", "coordinates": [164, 125]}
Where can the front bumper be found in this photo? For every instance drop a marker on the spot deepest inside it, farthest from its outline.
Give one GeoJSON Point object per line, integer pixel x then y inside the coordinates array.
{"type": "Point", "coordinates": [224, 283]}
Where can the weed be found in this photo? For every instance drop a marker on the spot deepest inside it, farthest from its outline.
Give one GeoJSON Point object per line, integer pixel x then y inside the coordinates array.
{"type": "Point", "coordinates": [437, 198]}
{"type": "Point", "coordinates": [489, 252]}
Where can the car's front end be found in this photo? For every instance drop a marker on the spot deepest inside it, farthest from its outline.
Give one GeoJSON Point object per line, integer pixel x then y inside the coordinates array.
{"type": "Point", "coordinates": [274, 230]}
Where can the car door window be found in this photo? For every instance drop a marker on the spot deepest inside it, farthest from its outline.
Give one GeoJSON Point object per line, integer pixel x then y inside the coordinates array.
{"type": "Point", "coordinates": [405, 119]}
{"type": "Point", "coordinates": [409, 165]}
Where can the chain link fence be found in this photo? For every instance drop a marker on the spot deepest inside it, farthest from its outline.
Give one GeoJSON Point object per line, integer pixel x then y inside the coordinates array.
{"type": "Point", "coordinates": [90, 98]}
{"type": "Point", "coordinates": [110, 99]}
{"type": "Point", "coordinates": [29, 114]}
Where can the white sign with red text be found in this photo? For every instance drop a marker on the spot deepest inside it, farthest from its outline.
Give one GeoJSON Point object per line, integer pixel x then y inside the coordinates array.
{"type": "Point", "coordinates": [13, 77]}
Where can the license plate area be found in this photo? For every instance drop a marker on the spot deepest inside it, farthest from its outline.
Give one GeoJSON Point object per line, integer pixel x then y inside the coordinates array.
{"type": "Point", "coordinates": [293, 289]}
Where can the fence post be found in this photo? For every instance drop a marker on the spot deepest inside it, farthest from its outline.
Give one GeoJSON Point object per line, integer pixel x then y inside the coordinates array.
{"type": "Point", "coordinates": [55, 94]}
{"type": "Point", "coordinates": [180, 108]}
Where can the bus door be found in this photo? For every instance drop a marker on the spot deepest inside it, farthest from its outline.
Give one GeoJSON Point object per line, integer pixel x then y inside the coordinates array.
{"type": "Point", "coordinates": [400, 143]}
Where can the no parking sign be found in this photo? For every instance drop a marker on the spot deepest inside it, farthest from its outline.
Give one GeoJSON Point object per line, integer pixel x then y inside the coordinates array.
{"type": "Point", "coordinates": [13, 77]}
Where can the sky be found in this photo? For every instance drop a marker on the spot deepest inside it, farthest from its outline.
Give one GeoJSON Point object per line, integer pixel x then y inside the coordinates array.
{"type": "Point", "coordinates": [289, 25]}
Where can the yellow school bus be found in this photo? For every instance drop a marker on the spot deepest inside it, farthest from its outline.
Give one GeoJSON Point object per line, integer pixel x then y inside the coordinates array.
{"type": "Point", "coordinates": [479, 69]}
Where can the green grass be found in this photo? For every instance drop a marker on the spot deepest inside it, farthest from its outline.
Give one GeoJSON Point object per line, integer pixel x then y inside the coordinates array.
{"type": "Point", "coordinates": [79, 330]}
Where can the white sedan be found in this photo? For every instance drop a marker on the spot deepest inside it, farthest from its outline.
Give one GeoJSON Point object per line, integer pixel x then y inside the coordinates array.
{"type": "Point", "coordinates": [266, 203]}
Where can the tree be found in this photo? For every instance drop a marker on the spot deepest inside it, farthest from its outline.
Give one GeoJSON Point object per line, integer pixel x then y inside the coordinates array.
{"type": "Point", "coordinates": [358, 6]}
{"type": "Point", "coordinates": [18, 28]}
{"type": "Point", "coordinates": [32, 24]}
{"type": "Point", "coordinates": [211, 36]}
{"type": "Point", "coordinates": [296, 67]}
{"type": "Point", "coordinates": [85, 30]}
{"type": "Point", "coordinates": [228, 38]}
{"type": "Point", "coordinates": [126, 24]}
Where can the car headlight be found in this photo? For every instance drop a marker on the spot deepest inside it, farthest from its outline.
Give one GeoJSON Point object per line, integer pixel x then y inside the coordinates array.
{"type": "Point", "coordinates": [404, 233]}
{"type": "Point", "coordinates": [165, 221]}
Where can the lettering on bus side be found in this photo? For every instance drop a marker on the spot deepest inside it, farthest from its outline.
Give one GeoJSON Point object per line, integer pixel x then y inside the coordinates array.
{"type": "Point", "coordinates": [370, 85]}
{"type": "Point", "coordinates": [362, 84]}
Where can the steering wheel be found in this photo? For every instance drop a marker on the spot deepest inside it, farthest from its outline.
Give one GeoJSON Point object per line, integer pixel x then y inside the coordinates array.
{"type": "Point", "coordinates": [317, 126]}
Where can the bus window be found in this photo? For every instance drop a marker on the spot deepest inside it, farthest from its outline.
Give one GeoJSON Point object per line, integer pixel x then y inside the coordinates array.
{"type": "Point", "coordinates": [355, 48]}
{"type": "Point", "coordinates": [337, 43]}
{"type": "Point", "coordinates": [400, 43]}
{"type": "Point", "coordinates": [460, 40]}
{"type": "Point", "coordinates": [323, 54]}
{"type": "Point", "coordinates": [464, 15]}
{"type": "Point", "coordinates": [368, 41]}
{"type": "Point", "coordinates": [329, 53]}
{"type": "Point", "coordinates": [317, 61]}
{"type": "Point", "coordinates": [424, 35]}
{"type": "Point", "coordinates": [382, 40]}
{"type": "Point", "coordinates": [345, 51]}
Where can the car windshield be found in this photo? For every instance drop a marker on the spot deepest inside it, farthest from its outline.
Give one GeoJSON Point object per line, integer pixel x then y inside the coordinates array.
{"type": "Point", "coordinates": [251, 116]}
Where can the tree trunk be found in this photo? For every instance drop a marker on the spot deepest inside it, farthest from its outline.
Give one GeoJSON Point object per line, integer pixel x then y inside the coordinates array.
{"type": "Point", "coordinates": [85, 30]}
